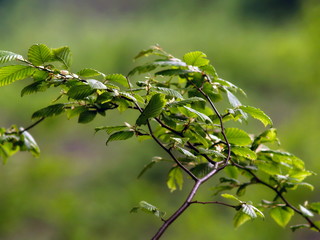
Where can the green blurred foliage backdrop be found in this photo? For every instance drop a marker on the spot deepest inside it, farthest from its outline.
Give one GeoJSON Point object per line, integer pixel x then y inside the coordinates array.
{"type": "Point", "coordinates": [79, 189]}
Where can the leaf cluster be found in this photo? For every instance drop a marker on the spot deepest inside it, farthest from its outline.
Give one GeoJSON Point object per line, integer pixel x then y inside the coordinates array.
{"type": "Point", "coordinates": [176, 101]}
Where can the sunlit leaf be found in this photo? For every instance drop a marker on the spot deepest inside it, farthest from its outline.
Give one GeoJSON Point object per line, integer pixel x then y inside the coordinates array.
{"type": "Point", "coordinates": [39, 54]}
{"type": "Point", "coordinates": [89, 72]}
{"type": "Point", "coordinates": [237, 136]}
{"type": "Point", "coordinates": [229, 196]}
{"type": "Point", "coordinates": [10, 74]}
{"type": "Point", "coordinates": [257, 114]}
{"type": "Point", "coordinates": [240, 218]}
{"type": "Point", "coordinates": [305, 211]}
{"type": "Point", "coordinates": [175, 179]}
{"type": "Point", "coordinates": [147, 207]}
{"type": "Point", "coordinates": [200, 115]}
{"type": "Point", "coordinates": [196, 58]}
{"type": "Point", "coordinates": [119, 78]}
{"type": "Point", "coordinates": [63, 55]}
{"type": "Point", "coordinates": [281, 215]}
{"type": "Point", "coordinates": [244, 152]}
{"type": "Point", "coordinates": [6, 56]}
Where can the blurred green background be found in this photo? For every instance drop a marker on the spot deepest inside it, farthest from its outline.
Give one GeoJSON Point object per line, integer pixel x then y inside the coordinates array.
{"type": "Point", "coordinates": [80, 189]}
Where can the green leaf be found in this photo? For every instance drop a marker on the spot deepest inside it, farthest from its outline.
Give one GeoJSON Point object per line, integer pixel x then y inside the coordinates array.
{"type": "Point", "coordinates": [170, 92]}
{"type": "Point", "coordinates": [186, 152]}
{"type": "Point", "coordinates": [281, 215]}
{"type": "Point", "coordinates": [237, 137]}
{"type": "Point", "coordinates": [89, 72]}
{"type": "Point", "coordinates": [174, 72]}
{"type": "Point", "coordinates": [211, 152]}
{"type": "Point", "coordinates": [233, 100]}
{"type": "Point", "coordinates": [111, 129]}
{"type": "Point", "coordinates": [200, 115]}
{"type": "Point", "coordinates": [244, 152]}
{"type": "Point", "coordinates": [257, 114]}
{"type": "Point", "coordinates": [299, 226]}
{"type": "Point", "coordinates": [153, 109]}
{"type": "Point", "coordinates": [175, 178]}
{"type": "Point", "coordinates": [249, 210]}
{"type": "Point", "coordinates": [315, 206]}
{"type": "Point", "coordinates": [305, 211]}
{"type": "Point", "coordinates": [86, 116]}
{"type": "Point", "coordinates": [39, 54]}
{"type": "Point", "coordinates": [121, 135]}
{"type": "Point", "coordinates": [52, 110]}
{"type": "Point", "coordinates": [201, 169]}
{"type": "Point", "coordinates": [10, 74]}
{"type": "Point", "coordinates": [6, 56]}
{"type": "Point", "coordinates": [185, 102]}
{"type": "Point", "coordinates": [173, 62]}
{"type": "Point", "coordinates": [79, 92]}
{"type": "Point", "coordinates": [147, 207]}
{"type": "Point", "coordinates": [229, 196]}
{"type": "Point", "coordinates": [30, 144]}
{"type": "Point", "coordinates": [142, 69]}
{"type": "Point", "coordinates": [240, 218]}
{"type": "Point", "coordinates": [95, 84]}
{"type": "Point", "coordinates": [119, 78]}
{"type": "Point", "coordinates": [63, 55]}
{"type": "Point", "coordinates": [37, 86]}
{"type": "Point", "coordinates": [196, 58]}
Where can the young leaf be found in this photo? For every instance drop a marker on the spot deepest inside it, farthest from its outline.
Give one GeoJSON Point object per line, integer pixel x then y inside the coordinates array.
{"type": "Point", "coordinates": [200, 115]}
{"type": "Point", "coordinates": [229, 196]}
{"type": "Point", "coordinates": [119, 78]}
{"type": "Point", "coordinates": [305, 211]}
{"type": "Point", "coordinates": [299, 226]}
{"type": "Point", "coordinates": [6, 56]}
{"type": "Point", "coordinates": [39, 54]}
{"type": "Point", "coordinates": [185, 102]}
{"type": "Point", "coordinates": [86, 116]}
{"type": "Point", "coordinates": [186, 152]}
{"type": "Point", "coordinates": [111, 129]}
{"type": "Point", "coordinates": [153, 109]}
{"type": "Point", "coordinates": [315, 207]}
{"type": "Point", "coordinates": [175, 178]}
{"type": "Point", "coordinates": [196, 58]}
{"type": "Point", "coordinates": [237, 136]}
{"type": "Point", "coordinates": [95, 84]}
{"type": "Point", "coordinates": [121, 135]}
{"type": "Point", "coordinates": [30, 144]}
{"type": "Point", "coordinates": [89, 72]}
{"type": "Point", "coordinates": [249, 210]}
{"type": "Point", "coordinates": [240, 218]}
{"type": "Point", "coordinates": [147, 207]}
{"type": "Point", "coordinates": [62, 55]}
{"type": "Point", "coordinates": [257, 114]}
{"type": "Point", "coordinates": [170, 92]}
{"type": "Point", "coordinates": [233, 100]}
{"type": "Point", "coordinates": [10, 74]}
{"type": "Point", "coordinates": [244, 152]}
{"type": "Point", "coordinates": [281, 215]}
{"type": "Point", "coordinates": [52, 110]}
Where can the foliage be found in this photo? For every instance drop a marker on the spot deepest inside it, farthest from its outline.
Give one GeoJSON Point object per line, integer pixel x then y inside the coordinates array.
{"type": "Point", "coordinates": [176, 103]}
